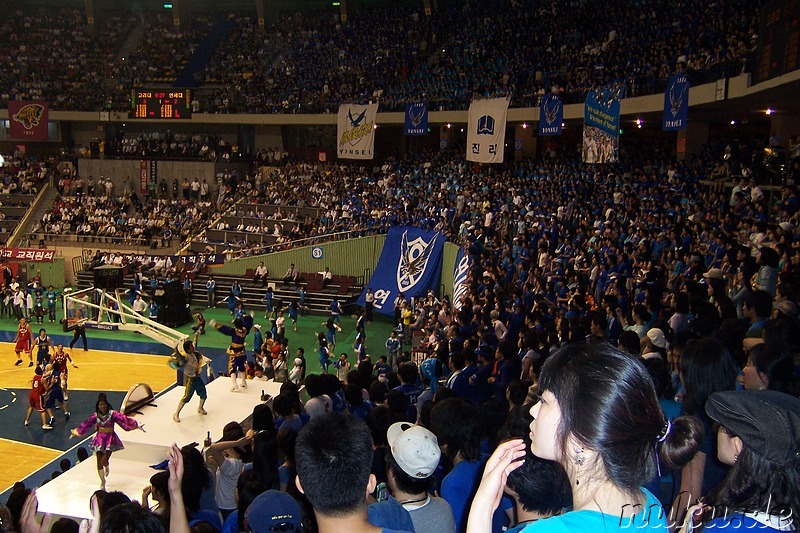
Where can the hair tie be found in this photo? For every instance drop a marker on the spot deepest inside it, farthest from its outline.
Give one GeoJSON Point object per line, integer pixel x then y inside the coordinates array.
{"type": "Point", "coordinates": [667, 428]}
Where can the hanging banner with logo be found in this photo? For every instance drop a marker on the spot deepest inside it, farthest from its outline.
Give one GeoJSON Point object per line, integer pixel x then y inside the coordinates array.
{"type": "Point", "coordinates": [410, 263]}
{"type": "Point", "coordinates": [601, 125]}
{"type": "Point", "coordinates": [356, 133]}
{"type": "Point", "coordinates": [460, 287]}
{"type": "Point", "coordinates": [28, 120]}
{"type": "Point", "coordinates": [676, 104]}
{"type": "Point", "coordinates": [487, 130]}
{"type": "Point", "coordinates": [551, 116]}
{"type": "Point", "coordinates": [416, 119]}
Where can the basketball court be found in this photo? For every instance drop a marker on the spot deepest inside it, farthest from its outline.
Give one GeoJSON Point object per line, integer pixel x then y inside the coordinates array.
{"type": "Point", "coordinates": [113, 363]}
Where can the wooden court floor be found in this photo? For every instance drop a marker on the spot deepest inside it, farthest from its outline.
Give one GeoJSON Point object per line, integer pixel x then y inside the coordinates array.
{"type": "Point", "coordinates": [24, 450]}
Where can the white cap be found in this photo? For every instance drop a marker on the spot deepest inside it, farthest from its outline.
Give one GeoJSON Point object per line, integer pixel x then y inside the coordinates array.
{"type": "Point", "coordinates": [257, 326]}
{"type": "Point", "coordinates": [657, 337]}
{"type": "Point", "coordinates": [415, 449]}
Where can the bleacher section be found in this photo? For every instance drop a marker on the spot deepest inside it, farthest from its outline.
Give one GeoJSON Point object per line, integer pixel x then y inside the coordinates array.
{"type": "Point", "coordinates": [347, 289]}
{"type": "Point", "coordinates": [12, 207]}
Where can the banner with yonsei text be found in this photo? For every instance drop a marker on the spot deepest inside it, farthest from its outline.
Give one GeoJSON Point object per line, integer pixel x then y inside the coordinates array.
{"type": "Point", "coordinates": [676, 104]}
{"type": "Point", "coordinates": [356, 131]}
{"type": "Point", "coordinates": [410, 263]}
{"type": "Point", "coordinates": [460, 272]}
{"type": "Point", "coordinates": [601, 125]}
{"type": "Point", "coordinates": [486, 136]}
{"type": "Point", "coordinates": [416, 119]}
{"type": "Point", "coordinates": [551, 116]}
{"type": "Point", "coordinates": [28, 120]}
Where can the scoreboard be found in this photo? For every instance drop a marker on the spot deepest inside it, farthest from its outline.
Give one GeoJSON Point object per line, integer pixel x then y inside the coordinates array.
{"type": "Point", "coordinates": [778, 39]}
{"type": "Point", "coordinates": [162, 103]}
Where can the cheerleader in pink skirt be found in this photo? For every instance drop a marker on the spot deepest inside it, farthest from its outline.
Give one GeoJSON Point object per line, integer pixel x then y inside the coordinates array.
{"type": "Point", "coordinates": [105, 442]}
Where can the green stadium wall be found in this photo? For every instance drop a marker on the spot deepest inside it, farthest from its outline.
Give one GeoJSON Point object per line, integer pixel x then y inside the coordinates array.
{"type": "Point", "coordinates": [352, 257]}
{"type": "Point", "coordinates": [448, 266]}
{"type": "Point", "coordinates": [52, 273]}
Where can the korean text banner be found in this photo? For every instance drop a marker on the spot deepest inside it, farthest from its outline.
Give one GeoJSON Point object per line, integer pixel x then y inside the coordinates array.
{"type": "Point", "coordinates": [461, 270]}
{"type": "Point", "coordinates": [356, 131]}
{"type": "Point", "coordinates": [410, 263]}
{"type": "Point", "coordinates": [601, 126]}
{"type": "Point", "coordinates": [28, 120]}
{"type": "Point", "coordinates": [27, 254]}
{"type": "Point", "coordinates": [487, 130]}
{"type": "Point", "coordinates": [676, 104]}
{"type": "Point", "coordinates": [551, 116]}
{"type": "Point", "coordinates": [416, 119]}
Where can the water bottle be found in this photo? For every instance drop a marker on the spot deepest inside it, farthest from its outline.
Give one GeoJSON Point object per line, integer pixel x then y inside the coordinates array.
{"type": "Point", "coordinates": [207, 442]}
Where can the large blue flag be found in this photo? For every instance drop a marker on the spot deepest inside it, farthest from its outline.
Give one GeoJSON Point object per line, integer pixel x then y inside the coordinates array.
{"type": "Point", "coordinates": [676, 103]}
{"type": "Point", "coordinates": [417, 119]}
{"type": "Point", "coordinates": [601, 124]}
{"type": "Point", "coordinates": [410, 263]}
{"type": "Point", "coordinates": [551, 116]}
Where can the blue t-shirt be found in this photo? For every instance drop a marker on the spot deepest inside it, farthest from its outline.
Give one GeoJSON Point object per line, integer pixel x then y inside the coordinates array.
{"type": "Point", "coordinates": [390, 513]}
{"type": "Point", "coordinates": [458, 489]}
{"type": "Point", "coordinates": [651, 518]}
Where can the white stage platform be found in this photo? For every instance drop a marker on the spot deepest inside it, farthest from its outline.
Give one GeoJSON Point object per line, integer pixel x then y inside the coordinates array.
{"type": "Point", "coordinates": [68, 495]}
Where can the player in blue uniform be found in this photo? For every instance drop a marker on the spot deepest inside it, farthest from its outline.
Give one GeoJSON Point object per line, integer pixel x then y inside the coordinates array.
{"type": "Point", "coordinates": [43, 344]}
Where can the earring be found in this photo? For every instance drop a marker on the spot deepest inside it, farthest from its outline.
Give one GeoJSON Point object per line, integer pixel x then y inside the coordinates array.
{"type": "Point", "coordinates": [579, 460]}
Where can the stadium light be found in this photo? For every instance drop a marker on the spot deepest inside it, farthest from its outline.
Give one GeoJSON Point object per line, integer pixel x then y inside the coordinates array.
{"type": "Point", "coordinates": [448, 125]}
{"type": "Point", "coordinates": [524, 125]}
{"type": "Point", "coordinates": [769, 111]}
{"type": "Point", "coordinates": [733, 122]}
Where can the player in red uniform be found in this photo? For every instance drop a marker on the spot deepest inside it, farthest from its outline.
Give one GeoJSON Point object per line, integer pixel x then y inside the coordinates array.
{"type": "Point", "coordinates": [23, 342]}
{"type": "Point", "coordinates": [36, 398]}
{"type": "Point", "coordinates": [62, 358]}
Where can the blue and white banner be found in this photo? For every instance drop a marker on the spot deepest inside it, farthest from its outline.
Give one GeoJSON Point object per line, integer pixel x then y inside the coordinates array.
{"type": "Point", "coordinates": [601, 125]}
{"type": "Point", "coordinates": [460, 287]}
{"type": "Point", "coordinates": [410, 263]}
{"type": "Point", "coordinates": [356, 131]}
{"type": "Point", "coordinates": [551, 116]}
{"type": "Point", "coordinates": [676, 103]}
{"type": "Point", "coordinates": [416, 119]}
{"type": "Point", "coordinates": [486, 136]}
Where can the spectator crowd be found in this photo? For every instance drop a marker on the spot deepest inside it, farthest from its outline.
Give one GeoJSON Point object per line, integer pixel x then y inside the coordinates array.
{"type": "Point", "coordinates": [312, 62]}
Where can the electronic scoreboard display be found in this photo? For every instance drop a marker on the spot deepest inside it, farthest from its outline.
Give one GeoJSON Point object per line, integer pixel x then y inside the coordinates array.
{"type": "Point", "coordinates": [162, 103]}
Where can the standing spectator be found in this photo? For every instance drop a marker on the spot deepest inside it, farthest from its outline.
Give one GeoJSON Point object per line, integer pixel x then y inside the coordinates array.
{"type": "Point", "coordinates": [211, 286]}
{"type": "Point", "coordinates": [334, 457]}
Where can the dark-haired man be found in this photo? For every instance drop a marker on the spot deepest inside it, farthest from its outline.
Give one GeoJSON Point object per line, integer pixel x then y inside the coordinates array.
{"type": "Point", "coordinates": [333, 460]}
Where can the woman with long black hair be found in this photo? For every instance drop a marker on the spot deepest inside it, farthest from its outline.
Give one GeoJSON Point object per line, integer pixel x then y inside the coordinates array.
{"type": "Point", "coordinates": [106, 441]}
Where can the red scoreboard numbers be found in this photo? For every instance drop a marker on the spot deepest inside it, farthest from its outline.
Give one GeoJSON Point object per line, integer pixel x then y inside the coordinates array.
{"type": "Point", "coordinates": [162, 103]}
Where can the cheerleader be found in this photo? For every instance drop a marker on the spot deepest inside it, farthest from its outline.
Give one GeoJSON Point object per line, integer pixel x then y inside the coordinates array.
{"type": "Point", "coordinates": [293, 311]}
{"type": "Point", "coordinates": [236, 351]}
{"type": "Point", "coordinates": [105, 441]}
{"type": "Point", "coordinates": [324, 354]}
{"type": "Point", "coordinates": [194, 381]}
{"type": "Point", "coordinates": [22, 342]}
